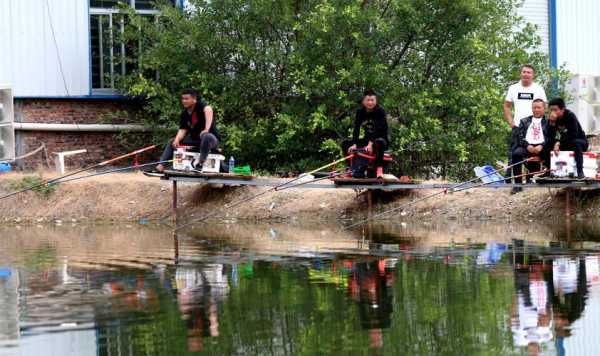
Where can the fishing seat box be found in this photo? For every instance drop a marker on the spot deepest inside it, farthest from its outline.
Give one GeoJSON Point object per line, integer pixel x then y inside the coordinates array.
{"type": "Point", "coordinates": [563, 164]}
{"type": "Point", "coordinates": [184, 156]}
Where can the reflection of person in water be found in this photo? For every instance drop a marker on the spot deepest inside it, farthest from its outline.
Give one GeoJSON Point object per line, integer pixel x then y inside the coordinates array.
{"type": "Point", "coordinates": [199, 291]}
{"type": "Point", "coordinates": [568, 290]}
{"type": "Point", "coordinates": [550, 295]}
{"type": "Point", "coordinates": [531, 315]}
{"type": "Point", "coordinates": [371, 285]}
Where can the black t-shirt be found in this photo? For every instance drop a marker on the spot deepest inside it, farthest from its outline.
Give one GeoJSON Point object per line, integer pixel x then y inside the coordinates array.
{"type": "Point", "coordinates": [195, 122]}
{"type": "Point", "coordinates": [373, 123]}
{"type": "Point", "coordinates": [569, 129]}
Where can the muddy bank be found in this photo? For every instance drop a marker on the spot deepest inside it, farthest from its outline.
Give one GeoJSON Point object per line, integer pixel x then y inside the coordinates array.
{"type": "Point", "coordinates": [132, 196]}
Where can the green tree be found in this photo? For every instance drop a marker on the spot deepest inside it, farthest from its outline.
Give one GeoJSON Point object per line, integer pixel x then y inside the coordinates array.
{"type": "Point", "coordinates": [285, 77]}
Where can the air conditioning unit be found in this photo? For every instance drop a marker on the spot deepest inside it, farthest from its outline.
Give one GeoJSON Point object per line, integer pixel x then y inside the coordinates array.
{"type": "Point", "coordinates": [7, 117]}
{"type": "Point", "coordinates": [585, 91]}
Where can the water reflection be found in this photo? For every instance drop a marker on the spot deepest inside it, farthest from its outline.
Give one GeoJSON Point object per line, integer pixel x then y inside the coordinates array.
{"type": "Point", "coordinates": [305, 289]}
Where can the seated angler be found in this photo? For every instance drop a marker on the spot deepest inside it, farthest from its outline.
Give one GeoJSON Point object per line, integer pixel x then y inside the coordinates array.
{"type": "Point", "coordinates": [535, 138]}
{"type": "Point", "coordinates": [197, 128]}
{"type": "Point", "coordinates": [371, 118]}
{"type": "Point", "coordinates": [571, 136]}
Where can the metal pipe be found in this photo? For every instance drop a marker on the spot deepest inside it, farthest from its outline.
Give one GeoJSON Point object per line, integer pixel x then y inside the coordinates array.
{"type": "Point", "coordinates": [31, 126]}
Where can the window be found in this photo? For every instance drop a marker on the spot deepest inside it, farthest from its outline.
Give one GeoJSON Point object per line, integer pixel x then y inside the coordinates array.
{"type": "Point", "coordinates": [137, 4]}
{"type": "Point", "coordinates": [110, 58]}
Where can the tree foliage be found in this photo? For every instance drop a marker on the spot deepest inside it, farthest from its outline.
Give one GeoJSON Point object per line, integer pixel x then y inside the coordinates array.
{"type": "Point", "coordinates": [286, 76]}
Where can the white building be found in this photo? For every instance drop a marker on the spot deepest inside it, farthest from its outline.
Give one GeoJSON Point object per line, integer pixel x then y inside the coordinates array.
{"type": "Point", "coordinates": [58, 62]}
{"type": "Point", "coordinates": [570, 32]}
{"type": "Point", "coordinates": [52, 48]}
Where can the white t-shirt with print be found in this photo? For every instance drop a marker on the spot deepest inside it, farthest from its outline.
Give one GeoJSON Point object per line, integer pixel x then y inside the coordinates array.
{"type": "Point", "coordinates": [535, 134]}
{"type": "Point", "coordinates": [522, 98]}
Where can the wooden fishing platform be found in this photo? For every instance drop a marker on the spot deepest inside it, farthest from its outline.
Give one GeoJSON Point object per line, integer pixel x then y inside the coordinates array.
{"type": "Point", "coordinates": [368, 185]}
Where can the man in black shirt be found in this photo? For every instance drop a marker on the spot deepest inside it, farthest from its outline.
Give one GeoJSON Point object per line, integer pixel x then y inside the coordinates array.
{"type": "Point", "coordinates": [196, 128]}
{"type": "Point", "coordinates": [371, 119]}
{"type": "Point", "coordinates": [570, 135]}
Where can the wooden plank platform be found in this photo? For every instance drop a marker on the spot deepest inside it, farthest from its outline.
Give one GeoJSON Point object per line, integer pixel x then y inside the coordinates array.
{"type": "Point", "coordinates": [235, 179]}
{"type": "Point", "coordinates": [573, 181]}
{"type": "Point", "coordinates": [205, 175]}
{"type": "Point", "coordinates": [369, 181]}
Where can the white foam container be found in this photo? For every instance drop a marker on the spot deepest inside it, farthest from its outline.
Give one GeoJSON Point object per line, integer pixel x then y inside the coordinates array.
{"type": "Point", "coordinates": [563, 164]}
{"type": "Point", "coordinates": [182, 161]}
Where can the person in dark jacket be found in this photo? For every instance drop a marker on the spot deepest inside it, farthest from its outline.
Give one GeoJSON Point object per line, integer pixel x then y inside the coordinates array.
{"type": "Point", "coordinates": [535, 138]}
{"type": "Point", "coordinates": [570, 135]}
{"type": "Point", "coordinates": [371, 120]}
{"type": "Point", "coordinates": [197, 128]}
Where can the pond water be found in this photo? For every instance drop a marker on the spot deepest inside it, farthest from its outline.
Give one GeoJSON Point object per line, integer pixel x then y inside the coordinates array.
{"type": "Point", "coordinates": [298, 288]}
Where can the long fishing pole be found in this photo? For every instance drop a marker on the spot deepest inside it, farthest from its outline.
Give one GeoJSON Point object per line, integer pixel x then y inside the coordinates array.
{"type": "Point", "coordinates": [517, 176]}
{"type": "Point", "coordinates": [109, 171]}
{"type": "Point", "coordinates": [98, 165]}
{"type": "Point", "coordinates": [275, 188]}
{"type": "Point", "coordinates": [443, 191]}
{"type": "Point", "coordinates": [300, 176]}
{"type": "Point", "coordinates": [329, 176]}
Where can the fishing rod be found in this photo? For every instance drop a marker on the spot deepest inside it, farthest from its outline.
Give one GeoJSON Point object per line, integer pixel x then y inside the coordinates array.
{"type": "Point", "coordinates": [281, 186]}
{"type": "Point", "coordinates": [536, 173]}
{"type": "Point", "coordinates": [329, 176]}
{"type": "Point", "coordinates": [110, 171]}
{"type": "Point", "coordinates": [98, 165]}
{"type": "Point", "coordinates": [313, 172]}
{"type": "Point", "coordinates": [443, 191]}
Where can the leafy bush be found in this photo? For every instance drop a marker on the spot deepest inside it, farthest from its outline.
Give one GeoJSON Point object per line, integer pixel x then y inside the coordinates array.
{"type": "Point", "coordinates": [285, 77]}
{"type": "Point", "coordinates": [36, 183]}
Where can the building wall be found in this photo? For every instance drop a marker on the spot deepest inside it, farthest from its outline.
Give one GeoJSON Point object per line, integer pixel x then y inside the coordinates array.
{"type": "Point", "coordinates": [100, 145]}
{"type": "Point", "coordinates": [536, 13]}
{"type": "Point", "coordinates": [30, 57]}
{"type": "Point", "coordinates": [578, 35]}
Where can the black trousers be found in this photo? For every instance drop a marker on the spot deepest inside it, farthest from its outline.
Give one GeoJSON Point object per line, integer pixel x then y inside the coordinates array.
{"type": "Point", "coordinates": [380, 145]}
{"type": "Point", "coordinates": [519, 154]}
{"type": "Point", "coordinates": [206, 143]}
{"type": "Point", "coordinates": [578, 146]}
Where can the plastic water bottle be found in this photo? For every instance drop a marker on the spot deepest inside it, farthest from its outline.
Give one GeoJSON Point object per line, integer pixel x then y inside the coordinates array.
{"type": "Point", "coordinates": [231, 164]}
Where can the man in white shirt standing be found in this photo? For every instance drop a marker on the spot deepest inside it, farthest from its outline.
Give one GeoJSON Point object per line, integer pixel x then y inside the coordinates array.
{"type": "Point", "coordinates": [519, 97]}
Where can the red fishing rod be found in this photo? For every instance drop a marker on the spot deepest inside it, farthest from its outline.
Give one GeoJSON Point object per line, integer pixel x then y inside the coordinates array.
{"type": "Point", "coordinates": [97, 165]}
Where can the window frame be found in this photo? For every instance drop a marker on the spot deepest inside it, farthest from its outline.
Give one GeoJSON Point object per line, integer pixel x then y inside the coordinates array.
{"type": "Point", "coordinates": [100, 11]}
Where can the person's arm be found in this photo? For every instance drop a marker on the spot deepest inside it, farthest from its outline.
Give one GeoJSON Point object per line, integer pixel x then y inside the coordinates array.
{"type": "Point", "coordinates": [208, 114]}
{"type": "Point", "coordinates": [543, 96]}
{"type": "Point", "coordinates": [573, 127]}
{"type": "Point", "coordinates": [355, 132]}
{"type": "Point", "coordinates": [384, 127]}
{"type": "Point", "coordinates": [507, 108]}
{"type": "Point", "coordinates": [179, 137]}
{"type": "Point", "coordinates": [549, 136]}
{"type": "Point", "coordinates": [523, 134]}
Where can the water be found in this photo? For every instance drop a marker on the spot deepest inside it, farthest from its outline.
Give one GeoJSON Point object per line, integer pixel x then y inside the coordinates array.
{"type": "Point", "coordinates": [299, 288]}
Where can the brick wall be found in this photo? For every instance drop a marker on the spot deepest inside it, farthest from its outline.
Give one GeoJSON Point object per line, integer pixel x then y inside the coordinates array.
{"type": "Point", "coordinates": [69, 111]}
{"type": "Point", "coordinates": [100, 145]}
